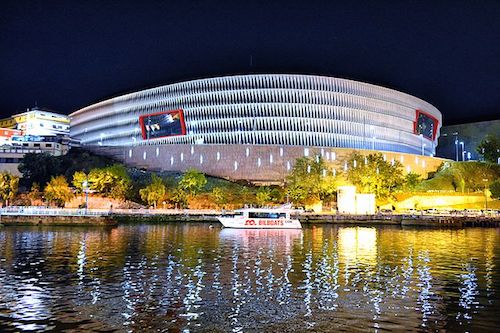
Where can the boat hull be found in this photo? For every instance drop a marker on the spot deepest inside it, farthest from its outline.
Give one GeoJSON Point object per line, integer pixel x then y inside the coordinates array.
{"type": "Point", "coordinates": [252, 223]}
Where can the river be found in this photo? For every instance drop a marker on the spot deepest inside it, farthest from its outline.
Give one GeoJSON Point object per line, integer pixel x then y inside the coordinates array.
{"type": "Point", "coordinates": [188, 277]}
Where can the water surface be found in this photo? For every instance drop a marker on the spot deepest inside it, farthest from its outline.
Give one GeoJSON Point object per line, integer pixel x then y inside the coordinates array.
{"type": "Point", "coordinates": [192, 278]}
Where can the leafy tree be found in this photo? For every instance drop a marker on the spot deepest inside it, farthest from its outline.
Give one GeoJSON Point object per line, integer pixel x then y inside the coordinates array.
{"type": "Point", "coordinates": [495, 189]}
{"type": "Point", "coordinates": [57, 191]}
{"type": "Point", "coordinates": [192, 182]}
{"type": "Point", "coordinates": [310, 181]}
{"type": "Point", "coordinates": [220, 196]}
{"type": "Point", "coordinates": [263, 195]}
{"type": "Point", "coordinates": [489, 148]}
{"type": "Point", "coordinates": [79, 179]}
{"type": "Point", "coordinates": [112, 181]}
{"type": "Point", "coordinates": [35, 193]}
{"type": "Point", "coordinates": [8, 187]}
{"type": "Point", "coordinates": [39, 168]}
{"type": "Point", "coordinates": [154, 192]}
{"type": "Point", "coordinates": [179, 198]}
{"type": "Point", "coordinates": [411, 181]}
{"type": "Point", "coordinates": [372, 174]}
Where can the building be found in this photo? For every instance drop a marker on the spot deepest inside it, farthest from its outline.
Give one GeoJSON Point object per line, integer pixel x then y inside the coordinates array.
{"type": "Point", "coordinates": [233, 126]}
{"type": "Point", "coordinates": [34, 131]}
{"type": "Point", "coordinates": [460, 142]}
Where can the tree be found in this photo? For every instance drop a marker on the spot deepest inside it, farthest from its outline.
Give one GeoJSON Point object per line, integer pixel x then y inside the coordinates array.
{"type": "Point", "coordinates": [57, 191]}
{"type": "Point", "coordinates": [310, 181]}
{"type": "Point", "coordinates": [154, 192]}
{"type": "Point", "coordinates": [79, 179]}
{"type": "Point", "coordinates": [489, 148]}
{"type": "Point", "coordinates": [263, 195]}
{"type": "Point", "coordinates": [8, 187]}
{"type": "Point", "coordinates": [39, 168]}
{"type": "Point", "coordinates": [495, 189]}
{"type": "Point", "coordinates": [220, 196]}
{"type": "Point", "coordinates": [372, 174]}
{"type": "Point", "coordinates": [112, 181]}
{"type": "Point", "coordinates": [411, 181]}
{"type": "Point", "coordinates": [179, 198]}
{"type": "Point", "coordinates": [35, 193]}
{"type": "Point", "coordinates": [192, 182]}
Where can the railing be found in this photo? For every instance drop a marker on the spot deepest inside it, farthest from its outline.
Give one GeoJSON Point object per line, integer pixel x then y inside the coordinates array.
{"type": "Point", "coordinates": [45, 211]}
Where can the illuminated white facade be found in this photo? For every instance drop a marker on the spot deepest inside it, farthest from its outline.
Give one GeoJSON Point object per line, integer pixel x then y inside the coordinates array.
{"type": "Point", "coordinates": [274, 109]}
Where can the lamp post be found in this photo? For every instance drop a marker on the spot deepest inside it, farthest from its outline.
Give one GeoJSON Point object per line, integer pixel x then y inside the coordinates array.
{"type": "Point", "coordinates": [456, 145]}
{"type": "Point", "coordinates": [85, 185]}
{"type": "Point", "coordinates": [462, 144]}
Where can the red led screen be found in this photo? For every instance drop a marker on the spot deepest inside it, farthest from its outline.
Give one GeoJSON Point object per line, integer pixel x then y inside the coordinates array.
{"type": "Point", "coordinates": [162, 124]}
{"type": "Point", "coordinates": [425, 124]}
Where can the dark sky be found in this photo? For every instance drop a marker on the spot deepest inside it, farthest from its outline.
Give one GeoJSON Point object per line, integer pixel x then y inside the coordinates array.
{"type": "Point", "coordinates": [64, 55]}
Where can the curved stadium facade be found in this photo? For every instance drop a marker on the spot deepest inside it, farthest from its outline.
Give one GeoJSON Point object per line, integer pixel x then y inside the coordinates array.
{"type": "Point", "coordinates": [229, 126]}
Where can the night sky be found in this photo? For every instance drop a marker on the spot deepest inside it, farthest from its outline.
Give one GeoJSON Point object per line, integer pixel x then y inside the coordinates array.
{"type": "Point", "coordinates": [64, 55]}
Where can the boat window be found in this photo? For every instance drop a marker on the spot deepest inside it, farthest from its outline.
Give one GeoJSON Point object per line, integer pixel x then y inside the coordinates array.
{"type": "Point", "coordinates": [266, 215]}
{"type": "Point", "coordinates": [232, 214]}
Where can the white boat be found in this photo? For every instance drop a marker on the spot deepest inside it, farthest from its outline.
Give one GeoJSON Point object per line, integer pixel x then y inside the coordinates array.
{"type": "Point", "coordinates": [259, 218]}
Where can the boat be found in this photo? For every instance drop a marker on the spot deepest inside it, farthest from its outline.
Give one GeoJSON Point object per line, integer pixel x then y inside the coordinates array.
{"type": "Point", "coordinates": [259, 218]}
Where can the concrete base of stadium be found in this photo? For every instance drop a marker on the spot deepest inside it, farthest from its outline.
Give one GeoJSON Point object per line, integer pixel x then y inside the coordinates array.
{"type": "Point", "coordinates": [259, 164]}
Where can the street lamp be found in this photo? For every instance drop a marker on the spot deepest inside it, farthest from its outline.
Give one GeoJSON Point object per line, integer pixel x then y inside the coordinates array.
{"type": "Point", "coordinates": [85, 185]}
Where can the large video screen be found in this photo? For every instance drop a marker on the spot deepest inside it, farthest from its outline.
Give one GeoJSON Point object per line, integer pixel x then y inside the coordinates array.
{"type": "Point", "coordinates": [426, 125]}
{"type": "Point", "coordinates": [162, 124]}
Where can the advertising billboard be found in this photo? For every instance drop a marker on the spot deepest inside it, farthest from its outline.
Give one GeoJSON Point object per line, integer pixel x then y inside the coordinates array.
{"type": "Point", "coordinates": [426, 125]}
{"type": "Point", "coordinates": [162, 124]}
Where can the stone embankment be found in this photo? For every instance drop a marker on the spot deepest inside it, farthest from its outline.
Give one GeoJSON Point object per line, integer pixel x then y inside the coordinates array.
{"type": "Point", "coordinates": [54, 216]}
{"type": "Point", "coordinates": [108, 218]}
{"type": "Point", "coordinates": [60, 220]}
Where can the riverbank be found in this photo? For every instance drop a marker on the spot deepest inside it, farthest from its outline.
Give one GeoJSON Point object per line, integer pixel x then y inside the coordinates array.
{"type": "Point", "coordinates": [30, 216]}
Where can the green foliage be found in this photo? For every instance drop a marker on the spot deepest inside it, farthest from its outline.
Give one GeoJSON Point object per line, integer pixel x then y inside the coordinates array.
{"type": "Point", "coordinates": [179, 198]}
{"type": "Point", "coordinates": [495, 189]}
{"type": "Point", "coordinates": [263, 196]}
{"type": "Point", "coordinates": [79, 179]}
{"type": "Point", "coordinates": [461, 177]}
{"type": "Point", "coordinates": [112, 181]}
{"type": "Point", "coordinates": [8, 187]}
{"type": "Point", "coordinates": [57, 191]}
{"type": "Point", "coordinates": [310, 181]}
{"type": "Point", "coordinates": [220, 196]}
{"type": "Point", "coordinates": [192, 181]}
{"type": "Point", "coordinates": [154, 192]}
{"type": "Point", "coordinates": [35, 193]}
{"type": "Point", "coordinates": [489, 148]}
{"type": "Point", "coordinates": [39, 168]}
{"type": "Point", "coordinates": [411, 181]}
{"type": "Point", "coordinates": [371, 174]}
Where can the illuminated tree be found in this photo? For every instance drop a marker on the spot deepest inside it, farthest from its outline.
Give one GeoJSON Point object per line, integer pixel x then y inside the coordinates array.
{"type": "Point", "coordinates": [489, 148]}
{"type": "Point", "coordinates": [112, 181]}
{"type": "Point", "coordinates": [263, 195]}
{"type": "Point", "coordinates": [310, 181]}
{"type": "Point", "coordinates": [495, 189]}
{"type": "Point", "coordinates": [220, 196]}
{"type": "Point", "coordinates": [79, 178]}
{"type": "Point", "coordinates": [192, 182]}
{"type": "Point", "coordinates": [154, 192]}
{"type": "Point", "coordinates": [8, 187]}
{"type": "Point", "coordinates": [372, 174]}
{"type": "Point", "coordinates": [57, 191]}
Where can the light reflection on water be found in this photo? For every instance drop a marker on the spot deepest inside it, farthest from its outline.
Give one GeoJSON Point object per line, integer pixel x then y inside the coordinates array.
{"type": "Point", "coordinates": [190, 278]}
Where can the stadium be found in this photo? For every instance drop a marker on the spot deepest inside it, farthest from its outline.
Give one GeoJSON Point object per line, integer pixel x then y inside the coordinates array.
{"type": "Point", "coordinates": [253, 127]}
